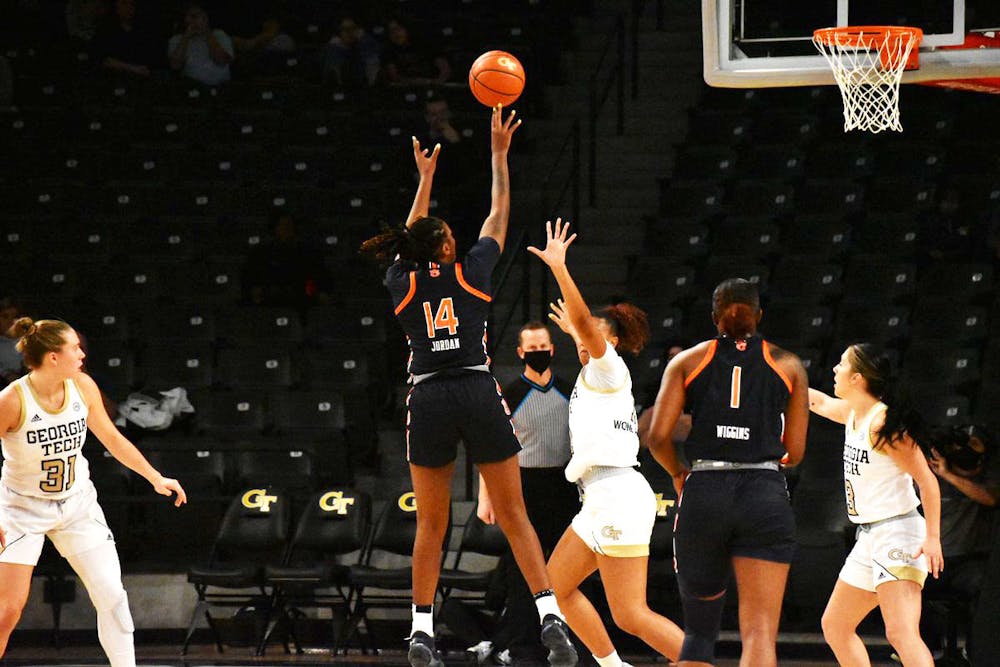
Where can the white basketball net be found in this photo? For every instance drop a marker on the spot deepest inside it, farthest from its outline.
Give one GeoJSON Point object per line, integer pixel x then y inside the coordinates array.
{"type": "Point", "coordinates": [868, 68]}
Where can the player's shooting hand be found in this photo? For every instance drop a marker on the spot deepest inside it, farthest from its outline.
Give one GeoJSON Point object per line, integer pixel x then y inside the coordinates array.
{"type": "Point", "coordinates": [502, 130]}
{"type": "Point", "coordinates": [556, 243]}
{"type": "Point", "coordinates": [426, 159]}
{"type": "Point", "coordinates": [931, 549]}
{"type": "Point", "coordinates": [165, 486]}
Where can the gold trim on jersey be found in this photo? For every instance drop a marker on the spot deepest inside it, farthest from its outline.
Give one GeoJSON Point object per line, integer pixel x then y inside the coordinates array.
{"type": "Point", "coordinates": [38, 400]}
{"type": "Point", "coordinates": [598, 390]}
{"type": "Point", "coordinates": [24, 407]}
{"type": "Point", "coordinates": [624, 550]}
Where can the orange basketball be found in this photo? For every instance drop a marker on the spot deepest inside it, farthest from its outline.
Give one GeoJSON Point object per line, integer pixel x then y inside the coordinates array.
{"type": "Point", "coordinates": [495, 78]}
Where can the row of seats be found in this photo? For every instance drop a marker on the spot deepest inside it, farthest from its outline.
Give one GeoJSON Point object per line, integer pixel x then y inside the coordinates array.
{"type": "Point", "coordinates": [811, 279]}
{"type": "Point", "coordinates": [253, 366]}
{"type": "Point", "coordinates": [883, 197]}
{"type": "Point", "coordinates": [100, 128]}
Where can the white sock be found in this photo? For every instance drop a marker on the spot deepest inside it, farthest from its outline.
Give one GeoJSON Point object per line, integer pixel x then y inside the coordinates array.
{"type": "Point", "coordinates": [610, 660]}
{"type": "Point", "coordinates": [423, 621]}
{"type": "Point", "coordinates": [546, 604]}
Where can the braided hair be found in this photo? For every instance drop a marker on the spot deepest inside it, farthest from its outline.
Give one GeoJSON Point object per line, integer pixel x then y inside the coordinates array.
{"type": "Point", "coordinates": [420, 242]}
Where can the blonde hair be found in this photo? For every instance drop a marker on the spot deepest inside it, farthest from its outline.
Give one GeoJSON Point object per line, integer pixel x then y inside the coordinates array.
{"type": "Point", "coordinates": [36, 339]}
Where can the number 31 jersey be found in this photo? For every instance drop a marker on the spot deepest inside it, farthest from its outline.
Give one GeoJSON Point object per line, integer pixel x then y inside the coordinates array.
{"type": "Point", "coordinates": [443, 309]}
{"type": "Point", "coordinates": [43, 456]}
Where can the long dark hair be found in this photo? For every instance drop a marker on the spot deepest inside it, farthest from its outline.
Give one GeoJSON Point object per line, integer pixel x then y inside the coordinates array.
{"type": "Point", "coordinates": [421, 242]}
{"type": "Point", "coordinates": [736, 307]}
{"type": "Point", "coordinates": [629, 323]}
{"type": "Point", "coordinates": [901, 418]}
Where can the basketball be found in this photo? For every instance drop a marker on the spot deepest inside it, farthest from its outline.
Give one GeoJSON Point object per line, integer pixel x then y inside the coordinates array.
{"type": "Point", "coordinates": [496, 77]}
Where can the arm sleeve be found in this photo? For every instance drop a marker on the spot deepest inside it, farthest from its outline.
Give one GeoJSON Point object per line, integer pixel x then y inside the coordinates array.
{"type": "Point", "coordinates": [608, 372]}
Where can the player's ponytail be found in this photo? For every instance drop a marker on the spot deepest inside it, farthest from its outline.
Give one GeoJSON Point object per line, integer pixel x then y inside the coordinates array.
{"type": "Point", "coordinates": [421, 242]}
{"type": "Point", "coordinates": [629, 323]}
{"type": "Point", "coordinates": [736, 307]}
{"type": "Point", "coordinates": [36, 339]}
{"type": "Point", "coordinates": [901, 418]}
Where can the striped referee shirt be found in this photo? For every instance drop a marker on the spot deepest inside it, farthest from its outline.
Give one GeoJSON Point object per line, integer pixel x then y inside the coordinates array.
{"type": "Point", "coordinates": [541, 420]}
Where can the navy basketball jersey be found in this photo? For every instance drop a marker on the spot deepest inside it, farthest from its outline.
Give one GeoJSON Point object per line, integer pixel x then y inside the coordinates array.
{"type": "Point", "coordinates": [443, 309]}
{"type": "Point", "coordinates": [737, 397]}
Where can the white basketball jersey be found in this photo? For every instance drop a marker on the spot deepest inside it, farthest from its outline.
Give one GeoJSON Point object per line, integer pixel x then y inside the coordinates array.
{"type": "Point", "coordinates": [876, 488]}
{"type": "Point", "coordinates": [43, 456]}
{"type": "Point", "coordinates": [603, 428]}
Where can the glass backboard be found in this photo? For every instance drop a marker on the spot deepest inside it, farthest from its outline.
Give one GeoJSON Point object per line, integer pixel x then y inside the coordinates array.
{"type": "Point", "coordinates": [768, 43]}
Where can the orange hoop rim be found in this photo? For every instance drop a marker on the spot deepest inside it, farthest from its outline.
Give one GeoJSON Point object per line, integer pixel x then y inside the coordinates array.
{"type": "Point", "coordinates": [867, 36]}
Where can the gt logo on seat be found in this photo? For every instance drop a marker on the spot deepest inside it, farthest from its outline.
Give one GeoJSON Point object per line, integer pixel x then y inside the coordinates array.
{"type": "Point", "coordinates": [258, 499]}
{"type": "Point", "coordinates": [408, 502]}
{"type": "Point", "coordinates": [663, 504]}
{"type": "Point", "coordinates": [334, 501]}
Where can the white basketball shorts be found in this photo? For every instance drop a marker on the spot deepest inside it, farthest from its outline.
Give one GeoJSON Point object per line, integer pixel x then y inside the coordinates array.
{"type": "Point", "coordinates": [884, 552]}
{"type": "Point", "coordinates": [75, 524]}
{"type": "Point", "coordinates": [617, 516]}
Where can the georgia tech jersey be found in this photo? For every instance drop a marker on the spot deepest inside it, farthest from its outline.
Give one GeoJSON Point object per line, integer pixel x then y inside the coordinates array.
{"type": "Point", "coordinates": [875, 488]}
{"type": "Point", "coordinates": [443, 309]}
{"type": "Point", "coordinates": [737, 396]}
{"type": "Point", "coordinates": [43, 456]}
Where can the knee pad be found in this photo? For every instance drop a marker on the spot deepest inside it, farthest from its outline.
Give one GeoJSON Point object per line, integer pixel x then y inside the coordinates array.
{"type": "Point", "coordinates": [702, 619]}
{"type": "Point", "coordinates": [122, 615]}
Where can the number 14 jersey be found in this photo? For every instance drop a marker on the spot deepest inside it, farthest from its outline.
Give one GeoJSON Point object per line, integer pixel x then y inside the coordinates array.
{"type": "Point", "coordinates": [443, 309]}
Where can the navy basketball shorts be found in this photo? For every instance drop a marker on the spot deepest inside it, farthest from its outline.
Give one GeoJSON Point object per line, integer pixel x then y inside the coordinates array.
{"type": "Point", "coordinates": [466, 406]}
{"type": "Point", "coordinates": [726, 513]}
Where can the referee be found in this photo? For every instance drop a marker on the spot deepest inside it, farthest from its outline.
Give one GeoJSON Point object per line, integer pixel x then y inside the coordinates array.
{"type": "Point", "coordinates": [539, 404]}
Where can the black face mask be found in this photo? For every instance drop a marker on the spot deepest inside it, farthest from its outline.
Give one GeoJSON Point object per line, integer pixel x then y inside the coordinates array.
{"type": "Point", "coordinates": [538, 360]}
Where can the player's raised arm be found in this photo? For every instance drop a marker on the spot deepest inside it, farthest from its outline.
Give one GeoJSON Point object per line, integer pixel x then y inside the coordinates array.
{"type": "Point", "coordinates": [426, 160]}
{"type": "Point", "coordinates": [501, 131]}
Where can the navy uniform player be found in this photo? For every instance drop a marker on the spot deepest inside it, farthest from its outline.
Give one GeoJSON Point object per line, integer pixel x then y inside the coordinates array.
{"type": "Point", "coordinates": [45, 487]}
{"type": "Point", "coordinates": [442, 304]}
{"type": "Point", "coordinates": [611, 532]}
{"type": "Point", "coordinates": [749, 406]}
{"type": "Point", "coordinates": [895, 546]}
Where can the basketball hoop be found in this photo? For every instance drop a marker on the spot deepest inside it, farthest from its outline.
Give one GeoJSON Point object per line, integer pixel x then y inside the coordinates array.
{"type": "Point", "coordinates": [868, 64]}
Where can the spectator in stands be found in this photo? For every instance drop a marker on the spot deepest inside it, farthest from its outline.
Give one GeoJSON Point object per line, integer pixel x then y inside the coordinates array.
{"type": "Point", "coordinates": [200, 52]}
{"type": "Point", "coordinates": [266, 41]}
{"type": "Point", "coordinates": [351, 59]}
{"type": "Point", "coordinates": [406, 61]}
{"type": "Point", "coordinates": [11, 367]}
{"type": "Point", "coordinates": [286, 271]}
{"type": "Point", "coordinates": [949, 231]}
{"type": "Point", "coordinates": [126, 44]}
{"type": "Point", "coordinates": [84, 17]}
{"type": "Point", "coordinates": [539, 404]}
{"type": "Point", "coordinates": [969, 477]}
{"type": "Point", "coordinates": [462, 182]}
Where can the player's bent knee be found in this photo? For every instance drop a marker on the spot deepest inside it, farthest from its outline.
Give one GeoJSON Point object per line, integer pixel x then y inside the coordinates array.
{"type": "Point", "coordinates": [122, 615]}
{"type": "Point", "coordinates": [702, 618]}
